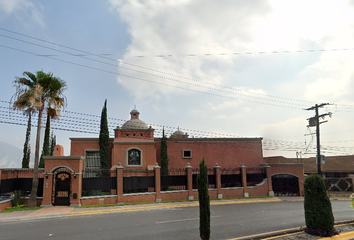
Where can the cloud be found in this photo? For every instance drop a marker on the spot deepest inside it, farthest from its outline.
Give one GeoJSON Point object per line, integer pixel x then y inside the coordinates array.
{"type": "Point", "coordinates": [182, 28]}
{"type": "Point", "coordinates": [23, 10]}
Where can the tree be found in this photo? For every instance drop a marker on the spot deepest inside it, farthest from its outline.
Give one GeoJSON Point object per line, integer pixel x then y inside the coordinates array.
{"type": "Point", "coordinates": [204, 201]}
{"type": "Point", "coordinates": [46, 142]}
{"type": "Point", "coordinates": [104, 138]}
{"type": "Point", "coordinates": [318, 210]}
{"type": "Point", "coordinates": [53, 142]}
{"type": "Point", "coordinates": [163, 155]}
{"type": "Point", "coordinates": [38, 91]}
{"type": "Point", "coordinates": [27, 147]}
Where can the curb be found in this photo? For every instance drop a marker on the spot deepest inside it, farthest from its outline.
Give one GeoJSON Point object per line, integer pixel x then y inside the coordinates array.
{"type": "Point", "coordinates": [293, 231]}
{"type": "Point", "coordinates": [270, 235]}
{"type": "Point", "coordinates": [194, 204]}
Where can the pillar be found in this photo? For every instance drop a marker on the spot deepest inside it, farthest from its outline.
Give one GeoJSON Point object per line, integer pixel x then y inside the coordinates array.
{"type": "Point", "coordinates": [0, 177]}
{"type": "Point", "coordinates": [47, 190]}
{"type": "Point", "coordinates": [217, 170]}
{"type": "Point", "coordinates": [189, 181]}
{"type": "Point", "coordinates": [76, 189]}
{"type": "Point", "coordinates": [269, 177]}
{"type": "Point", "coordinates": [119, 174]}
{"type": "Point", "coordinates": [244, 180]}
{"type": "Point", "coordinates": [157, 170]}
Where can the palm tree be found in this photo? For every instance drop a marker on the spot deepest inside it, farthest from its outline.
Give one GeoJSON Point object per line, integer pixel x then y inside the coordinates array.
{"type": "Point", "coordinates": [39, 91]}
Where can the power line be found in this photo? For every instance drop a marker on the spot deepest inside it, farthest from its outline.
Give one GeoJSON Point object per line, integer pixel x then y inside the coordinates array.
{"type": "Point", "coordinates": [268, 144]}
{"type": "Point", "coordinates": [151, 81]}
{"type": "Point", "coordinates": [167, 78]}
{"type": "Point", "coordinates": [123, 62]}
{"type": "Point", "coordinates": [194, 54]}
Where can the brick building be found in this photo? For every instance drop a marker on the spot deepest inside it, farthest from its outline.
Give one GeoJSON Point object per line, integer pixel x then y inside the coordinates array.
{"type": "Point", "coordinates": [236, 169]}
{"type": "Point", "coordinates": [135, 147]}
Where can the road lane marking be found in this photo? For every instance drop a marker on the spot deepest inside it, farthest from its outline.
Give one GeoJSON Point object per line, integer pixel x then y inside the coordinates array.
{"type": "Point", "coordinates": [182, 220]}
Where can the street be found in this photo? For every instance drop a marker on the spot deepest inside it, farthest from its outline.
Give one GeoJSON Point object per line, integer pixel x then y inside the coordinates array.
{"type": "Point", "coordinates": [227, 221]}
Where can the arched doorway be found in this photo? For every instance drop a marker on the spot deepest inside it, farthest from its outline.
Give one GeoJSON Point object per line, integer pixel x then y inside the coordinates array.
{"type": "Point", "coordinates": [61, 187]}
{"type": "Point", "coordinates": [285, 185]}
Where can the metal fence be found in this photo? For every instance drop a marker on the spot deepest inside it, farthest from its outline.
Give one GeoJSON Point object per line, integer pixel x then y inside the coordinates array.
{"type": "Point", "coordinates": [136, 184]}
{"type": "Point", "coordinates": [97, 182]}
{"type": "Point", "coordinates": [8, 186]}
{"type": "Point", "coordinates": [231, 180]}
{"type": "Point", "coordinates": [339, 184]}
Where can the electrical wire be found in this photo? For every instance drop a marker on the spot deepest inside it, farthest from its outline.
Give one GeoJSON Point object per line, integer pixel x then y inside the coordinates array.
{"type": "Point", "coordinates": [123, 62]}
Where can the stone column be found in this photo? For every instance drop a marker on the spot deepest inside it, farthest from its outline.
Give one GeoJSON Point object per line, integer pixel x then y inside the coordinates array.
{"type": "Point", "coordinates": [244, 180]}
{"type": "Point", "coordinates": [157, 170]}
{"type": "Point", "coordinates": [189, 181]}
{"type": "Point", "coordinates": [119, 174]}
{"type": "Point", "coordinates": [47, 190]}
{"type": "Point", "coordinates": [269, 177]}
{"type": "Point", "coordinates": [217, 169]}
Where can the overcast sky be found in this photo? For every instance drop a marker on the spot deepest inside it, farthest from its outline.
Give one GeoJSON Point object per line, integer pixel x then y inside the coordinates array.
{"type": "Point", "coordinates": [212, 68]}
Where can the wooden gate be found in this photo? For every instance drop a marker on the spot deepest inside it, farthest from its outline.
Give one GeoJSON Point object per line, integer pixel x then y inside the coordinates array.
{"type": "Point", "coordinates": [285, 184]}
{"type": "Point", "coordinates": [62, 188]}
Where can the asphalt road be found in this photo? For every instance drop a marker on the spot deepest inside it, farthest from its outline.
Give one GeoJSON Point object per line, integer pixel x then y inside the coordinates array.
{"type": "Point", "coordinates": [227, 221]}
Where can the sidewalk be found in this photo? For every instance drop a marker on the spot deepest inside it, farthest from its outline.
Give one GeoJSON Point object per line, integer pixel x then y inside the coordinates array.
{"type": "Point", "coordinates": [62, 211]}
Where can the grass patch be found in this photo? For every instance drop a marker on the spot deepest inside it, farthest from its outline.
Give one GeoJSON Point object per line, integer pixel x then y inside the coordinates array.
{"type": "Point", "coordinates": [19, 209]}
{"type": "Point", "coordinates": [172, 201]}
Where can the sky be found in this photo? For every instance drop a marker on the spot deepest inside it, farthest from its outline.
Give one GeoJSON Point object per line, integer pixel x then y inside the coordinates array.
{"type": "Point", "coordinates": [210, 68]}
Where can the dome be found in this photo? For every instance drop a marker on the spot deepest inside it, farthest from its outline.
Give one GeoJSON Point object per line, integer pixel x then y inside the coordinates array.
{"type": "Point", "coordinates": [134, 124]}
{"type": "Point", "coordinates": [178, 133]}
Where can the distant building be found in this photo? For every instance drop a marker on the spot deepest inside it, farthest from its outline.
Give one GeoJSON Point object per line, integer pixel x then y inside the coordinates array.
{"type": "Point", "coordinates": [236, 169]}
{"type": "Point", "coordinates": [135, 147]}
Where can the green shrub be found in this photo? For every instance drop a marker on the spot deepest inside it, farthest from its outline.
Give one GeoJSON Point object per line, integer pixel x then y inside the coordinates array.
{"type": "Point", "coordinates": [318, 209]}
{"type": "Point", "coordinates": [104, 193]}
{"type": "Point", "coordinates": [86, 193]}
{"type": "Point", "coordinates": [18, 198]}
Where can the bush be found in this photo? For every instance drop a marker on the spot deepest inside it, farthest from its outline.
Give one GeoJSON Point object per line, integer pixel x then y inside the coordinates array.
{"type": "Point", "coordinates": [17, 198]}
{"type": "Point", "coordinates": [318, 209]}
{"type": "Point", "coordinates": [86, 193]}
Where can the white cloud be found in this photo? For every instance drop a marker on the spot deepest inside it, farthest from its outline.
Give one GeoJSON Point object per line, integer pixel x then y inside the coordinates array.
{"type": "Point", "coordinates": [179, 28]}
{"type": "Point", "coordinates": [24, 10]}
{"type": "Point", "coordinates": [182, 28]}
{"type": "Point", "coordinates": [282, 129]}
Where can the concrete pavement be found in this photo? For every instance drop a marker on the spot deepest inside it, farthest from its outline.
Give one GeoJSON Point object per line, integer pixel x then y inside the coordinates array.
{"type": "Point", "coordinates": [61, 211]}
{"type": "Point", "coordinates": [66, 211]}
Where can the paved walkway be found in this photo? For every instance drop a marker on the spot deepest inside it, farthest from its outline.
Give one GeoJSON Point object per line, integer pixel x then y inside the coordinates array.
{"type": "Point", "coordinates": [60, 211]}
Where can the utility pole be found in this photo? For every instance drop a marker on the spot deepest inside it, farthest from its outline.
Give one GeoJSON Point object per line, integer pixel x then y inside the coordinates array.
{"type": "Point", "coordinates": [315, 122]}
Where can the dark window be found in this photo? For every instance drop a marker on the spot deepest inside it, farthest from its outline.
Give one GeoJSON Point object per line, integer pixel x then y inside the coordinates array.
{"type": "Point", "coordinates": [134, 157]}
{"type": "Point", "coordinates": [187, 153]}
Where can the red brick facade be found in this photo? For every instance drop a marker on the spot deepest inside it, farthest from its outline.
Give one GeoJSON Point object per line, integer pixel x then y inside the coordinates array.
{"type": "Point", "coordinates": [135, 148]}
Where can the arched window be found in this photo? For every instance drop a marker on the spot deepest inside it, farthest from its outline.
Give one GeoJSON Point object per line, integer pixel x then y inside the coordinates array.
{"type": "Point", "coordinates": [134, 157]}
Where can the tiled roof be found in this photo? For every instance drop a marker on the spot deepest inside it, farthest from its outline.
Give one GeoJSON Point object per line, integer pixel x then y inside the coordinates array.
{"type": "Point", "coordinates": [332, 164]}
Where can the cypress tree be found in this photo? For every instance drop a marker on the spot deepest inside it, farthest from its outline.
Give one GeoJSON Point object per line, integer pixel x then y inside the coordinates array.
{"type": "Point", "coordinates": [318, 210]}
{"type": "Point", "coordinates": [53, 142]}
{"type": "Point", "coordinates": [27, 147]}
{"type": "Point", "coordinates": [46, 149]}
{"type": "Point", "coordinates": [204, 201]}
{"type": "Point", "coordinates": [163, 155]}
{"type": "Point", "coordinates": [104, 138]}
